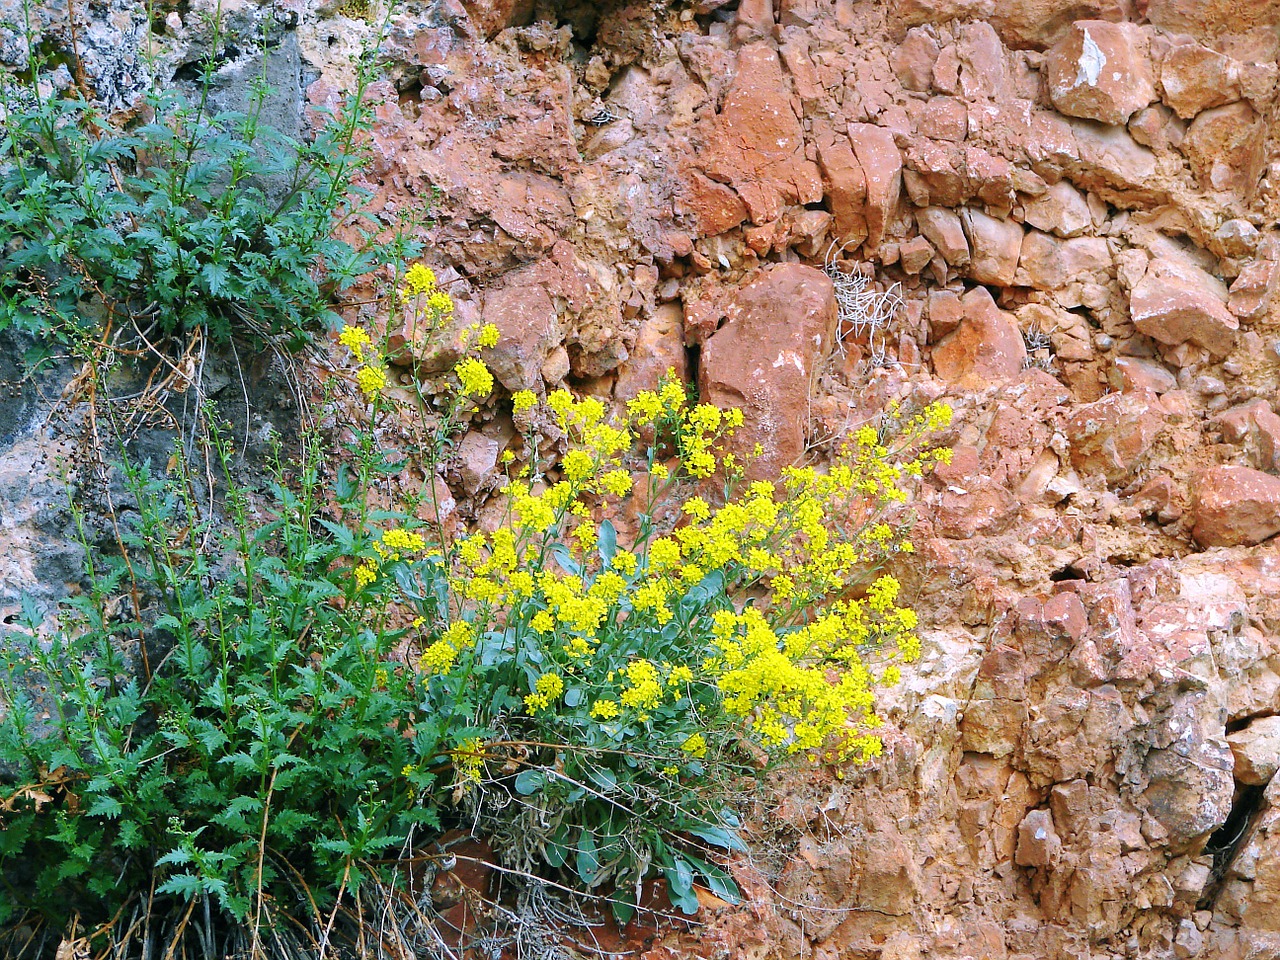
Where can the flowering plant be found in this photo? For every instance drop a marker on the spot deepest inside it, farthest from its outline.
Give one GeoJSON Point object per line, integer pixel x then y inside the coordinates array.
{"type": "Point", "coordinates": [303, 708]}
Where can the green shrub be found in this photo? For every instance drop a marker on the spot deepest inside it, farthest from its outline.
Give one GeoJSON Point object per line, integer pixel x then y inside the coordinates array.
{"type": "Point", "coordinates": [192, 220]}
{"type": "Point", "coordinates": [320, 695]}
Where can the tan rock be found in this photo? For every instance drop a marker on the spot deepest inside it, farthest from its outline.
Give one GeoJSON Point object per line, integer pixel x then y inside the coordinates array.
{"type": "Point", "coordinates": [1038, 842]}
{"type": "Point", "coordinates": [763, 359]}
{"type": "Point", "coordinates": [913, 60]}
{"type": "Point", "coordinates": [1224, 147]}
{"type": "Point", "coordinates": [529, 329]}
{"type": "Point", "coordinates": [881, 164]}
{"type": "Point", "coordinates": [1046, 263]}
{"type": "Point", "coordinates": [493, 16]}
{"type": "Point", "coordinates": [944, 230]}
{"type": "Point", "coordinates": [1207, 18]}
{"type": "Point", "coordinates": [915, 254]}
{"type": "Point", "coordinates": [1251, 292]}
{"type": "Point", "coordinates": [995, 246]}
{"type": "Point", "coordinates": [1235, 506]}
{"type": "Point", "coordinates": [1194, 78]}
{"type": "Point", "coordinates": [1175, 303]}
{"type": "Point", "coordinates": [477, 459]}
{"type": "Point", "coordinates": [945, 313]}
{"type": "Point", "coordinates": [1060, 210]}
{"type": "Point", "coordinates": [943, 118]}
{"type": "Point", "coordinates": [1111, 437]}
{"type": "Point", "coordinates": [1100, 71]}
{"type": "Point", "coordinates": [1039, 24]}
{"type": "Point", "coordinates": [659, 347]}
{"type": "Point", "coordinates": [1256, 750]}
{"type": "Point", "coordinates": [714, 207]}
{"type": "Point", "coordinates": [986, 346]}
{"type": "Point", "coordinates": [757, 145]}
{"type": "Point", "coordinates": [1137, 375]}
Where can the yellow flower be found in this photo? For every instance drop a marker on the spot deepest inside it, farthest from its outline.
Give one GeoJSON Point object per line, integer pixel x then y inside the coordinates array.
{"type": "Point", "coordinates": [523, 400]}
{"type": "Point", "coordinates": [605, 709]}
{"type": "Point", "coordinates": [440, 303]}
{"type": "Point", "coordinates": [616, 482]}
{"type": "Point", "coordinates": [545, 692]}
{"type": "Point", "coordinates": [371, 379]}
{"type": "Point", "coordinates": [695, 745]}
{"type": "Point", "coordinates": [355, 340]}
{"type": "Point", "coordinates": [438, 657]}
{"type": "Point", "coordinates": [474, 377]}
{"type": "Point", "coordinates": [577, 465]}
{"type": "Point", "coordinates": [659, 471]}
{"type": "Point", "coordinates": [468, 759]}
{"type": "Point", "coordinates": [418, 279]}
{"type": "Point", "coordinates": [406, 540]}
{"type": "Point", "coordinates": [489, 336]}
{"type": "Point", "coordinates": [625, 561]}
{"type": "Point", "coordinates": [543, 622]}
{"type": "Point", "coordinates": [366, 572]}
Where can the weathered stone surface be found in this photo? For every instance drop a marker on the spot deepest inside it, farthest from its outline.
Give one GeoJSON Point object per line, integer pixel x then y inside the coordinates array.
{"type": "Point", "coordinates": [1256, 750]}
{"type": "Point", "coordinates": [1038, 842]}
{"type": "Point", "coordinates": [1251, 292]}
{"type": "Point", "coordinates": [1194, 78]}
{"type": "Point", "coordinates": [1060, 210]}
{"type": "Point", "coordinates": [757, 144]}
{"type": "Point", "coordinates": [659, 347]}
{"type": "Point", "coordinates": [987, 344]}
{"type": "Point", "coordinates": [1137, 375]}
{"type": "Point", "coordinates": [492, 16]}
{"type": "Point", "coordinates": [1100, 71]}
{"type": "Point", "coordinates": [1175, 303]}
{"type": "Point", "coordinates": [1037, 24]}
{"type": "Point", "coordinates": [1047, 263]}
{"type": "Point", "coordinates": [845, 185]}
{"type": "Point", "coordinates": [995, 246]}
{"type": "Point", "coordinates": [944, 230]}
{"type": "Point", "coordinates": [1111, 437]}
{"type": "Point", "coordinates": [763, 359]}
{"type": "Point", "coordinates": [1224, 147]}
{"type": "Point", "coordinates": [1235, 506]}
{"type": "Point", "coordinates": [881, 164]}
{"type": "Point", "coordinates": [529, 327]}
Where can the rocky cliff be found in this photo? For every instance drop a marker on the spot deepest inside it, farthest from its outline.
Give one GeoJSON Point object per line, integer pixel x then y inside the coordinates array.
{"type": "Point", "coordinates": [1076, 202]}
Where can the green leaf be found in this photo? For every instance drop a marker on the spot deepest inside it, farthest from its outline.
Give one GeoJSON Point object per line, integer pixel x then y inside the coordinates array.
{"type": "Point", "coordinates": [529, 782]}
{"type": "Point", "coordinates": [607, 543]}
{"type": "Point", "coordinates": [587, 861]}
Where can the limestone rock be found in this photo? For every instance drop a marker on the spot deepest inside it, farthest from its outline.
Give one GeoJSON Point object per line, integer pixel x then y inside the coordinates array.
{"type": "Point", "coordinates": [944, 230]}
{"type": "Point", "coordinates": [1038, 842]}
{"type": "Point", "coordinates": [529, 329]}
{"type": "Point", "coordinates": [1060, 210]}
{"type": "Point", "coordinates": [1224, 147]}
{"type": "Point", "coordinates": [762, 360]}
{"type": "Point", "coordinates": [987, 344]}
{"type": "Point", "coordinates": [1046, 263]}
{"type": "Point", "coordinates": [845, 185]}
{"type": "Point", "coordinates": [659, 347]}
{"type": "Point", "coordinates": [1235, 506]}
{"type": "Point", "coordinates": [1100, 71]}
{"type": "Point", "coordinates": [1039, 24]}
{"type": "Point", "coordinates": [1251, 292]}
{"type": "Point", "coordinates": [1174, 303]}
{"type": "Point", "coordinates": [1256, 749]}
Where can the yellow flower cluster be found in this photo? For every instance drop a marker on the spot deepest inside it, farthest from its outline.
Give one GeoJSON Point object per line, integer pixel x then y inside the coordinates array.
{"type": "Point", "coordinates": [468, 760]}
{"type": "Point", "coordinates": [474, 378]}
{"type": "Point", "coordinates": [696, 433]}
{"type": "Point", "coordinates": [371, 375]}
{"type": "Point", "coordinates": [546, 691]}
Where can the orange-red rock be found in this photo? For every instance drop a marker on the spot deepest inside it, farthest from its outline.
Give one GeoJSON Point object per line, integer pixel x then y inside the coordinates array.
{"type": "Point", "coordinates": [1101, 71]}
{"type": "Point", "coordinates": [1175, 303]}
{"type": "Point", "coordinates": [763, 359]}
{"type": "Point", "coordinates": [986, 346]}
{"type": "Point", "coordinates": [1235, 506]}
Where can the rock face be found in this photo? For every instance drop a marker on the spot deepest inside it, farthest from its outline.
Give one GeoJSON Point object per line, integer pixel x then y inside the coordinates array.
{"type": "Point", "coordinates": [763, 360]}
{"type": "Point", "coordinates": [1077, 200]}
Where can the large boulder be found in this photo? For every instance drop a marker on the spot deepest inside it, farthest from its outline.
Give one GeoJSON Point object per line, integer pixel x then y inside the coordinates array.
{"type": "Point", "coordinates": [986, 345]}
